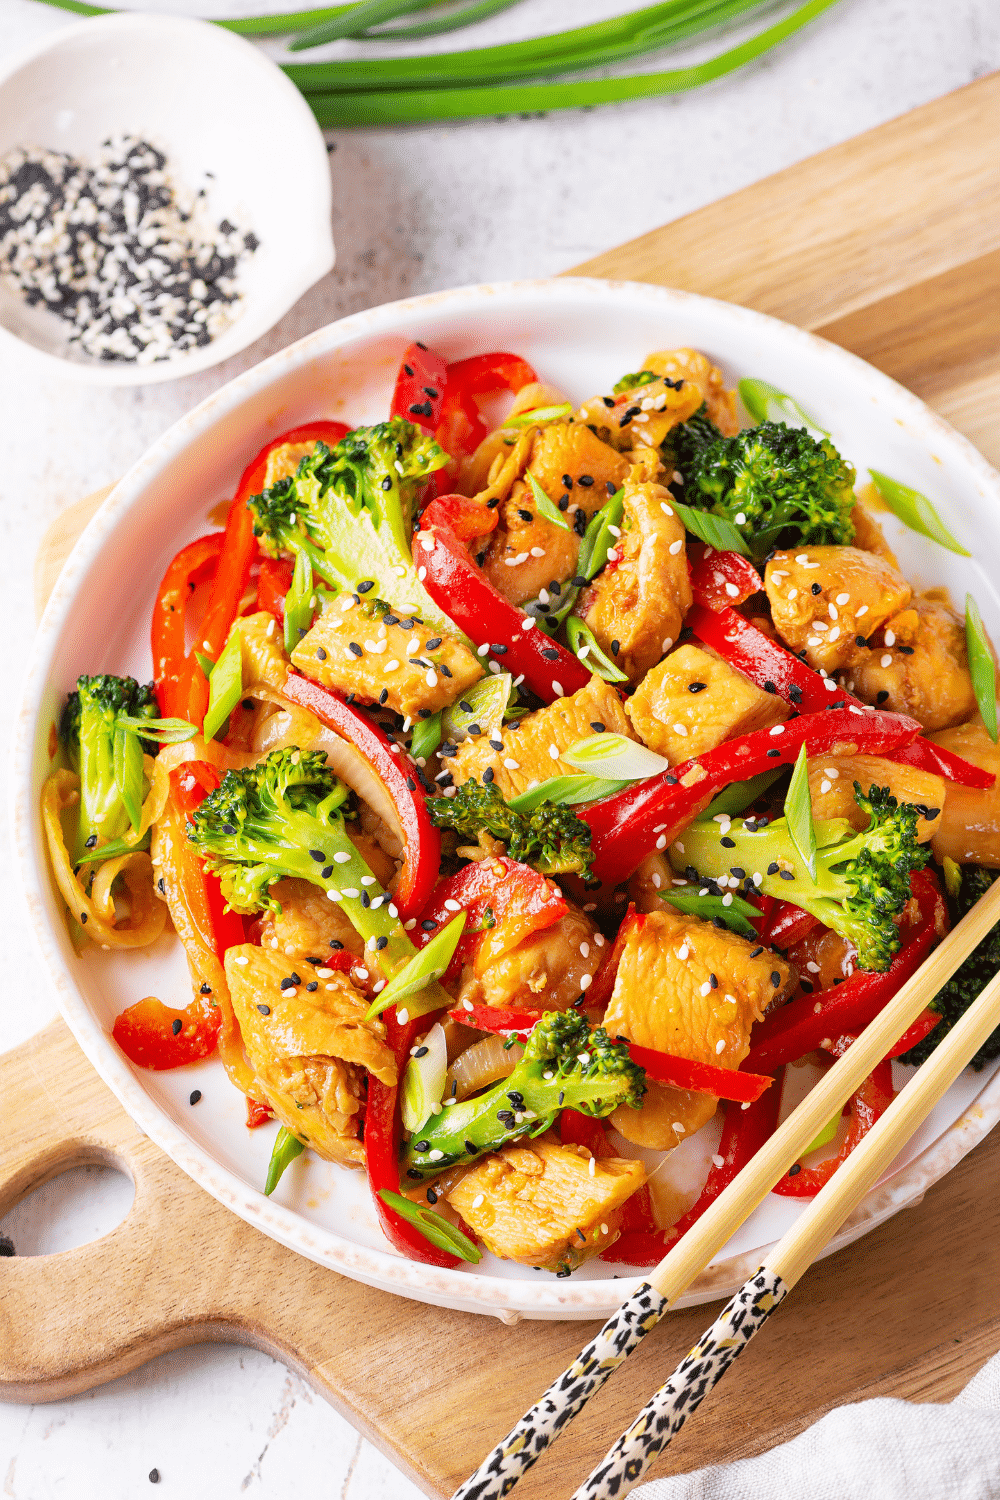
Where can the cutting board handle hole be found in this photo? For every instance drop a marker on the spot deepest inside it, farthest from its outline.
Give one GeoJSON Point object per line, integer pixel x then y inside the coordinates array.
{"type": "Point", "coordinates": [78, 1205]}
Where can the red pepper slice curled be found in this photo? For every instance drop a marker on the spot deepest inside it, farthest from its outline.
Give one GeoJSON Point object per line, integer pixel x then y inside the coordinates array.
{"type": "Point", "coordinates": [700, 1078]}
{"type": "Point", "coordinates": [504, 902]}
{"type": "Point", "coordinates": [867, 1104]}
{"type": "Point", "coordinates": [192, 565]}
{"type": "Point", "coordinates": [721, 580]}
{"type": "Point", "coordinates": [420, 385]}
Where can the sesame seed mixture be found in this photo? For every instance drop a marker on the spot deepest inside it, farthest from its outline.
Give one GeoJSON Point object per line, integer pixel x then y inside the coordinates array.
{"type": "Point", "coordinates": [123, 256]}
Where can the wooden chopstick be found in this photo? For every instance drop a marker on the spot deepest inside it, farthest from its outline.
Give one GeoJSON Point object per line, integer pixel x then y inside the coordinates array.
{"type": "Point", "coordinates": [543, 1422]}
{"type": "Point", "coordinates": [666, 1411]}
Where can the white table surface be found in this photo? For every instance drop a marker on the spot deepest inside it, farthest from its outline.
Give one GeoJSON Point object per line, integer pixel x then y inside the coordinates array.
{"type": "Point", "coordinates": [415, 210]}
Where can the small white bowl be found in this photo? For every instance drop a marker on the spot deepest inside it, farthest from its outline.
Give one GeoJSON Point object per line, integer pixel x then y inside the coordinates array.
{"type": "Point", "coordinates": [213, 104]}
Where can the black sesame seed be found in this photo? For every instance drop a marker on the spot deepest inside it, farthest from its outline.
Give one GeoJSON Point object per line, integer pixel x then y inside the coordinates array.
{"type": "Point", "coordinates": [713, 981]}
{"type": "Point", "coordinates": [773, 754]}
{"type": "Point", "coordinates": [416, 1176]}
{"type": "Point", "coordinates": [931, 813]}
{"type": "Point", "coordinates": [670, 780]}
{"type": "Point", "coordinates": [472, 1148]}
{"type": "Point", "coordinates": [317, 855]}
{"type": "Point", "coordinates": [381, 942]}
{"type": "Point", "coordinates": [773, 868]}
{"type": "Point", "coordinates": [432, 1196]}
{"type": "Point", "coordinates": [363, 588]}
{"type": "Point", "coordinates": [422, 1146]}
{"type": "Point", "coordinates": [728, 843]}
{"type": "Point", "coordinates": [616, 646]}
{"type": "Point", "coordinates": [488, 775]}
{"type": "Point", "coordinates": [795, 693]}
{"type": "Point", "coordinates": [366, 900]}
{"type": "Point", "coordinates": [312, 986]}
{"type": "Point", "coordinates": [769, 687]}
{"type": "Point", "coordinates": [775, 978]}
{"type": "Point", "coordinates": [859, 640]}
{"type": "Point", "coordinates": [526, 515]}
{"type": "Point", "coordinates": [905, 650]}
{"type": "Point", "coordinates": [794, 1169]}
{"type": "Point", "coordinates": [609, 485]}
{"type": "Point", "coordinates": [580, 522]}
{"type": "Point", "coordinates": [411, 784]}
{"type": "Point", "coordinates": [154, 1476]}
{"type": "Point", "coordinates": [91, 842]}
{"type": "Point", "coordinates": [735, 870]}
{"type": "Point", "coordinates": [550, 654]}
{"type": "Point", "coordinates": [567, 480]}
{"type": "Point", "coordinates": [475, 729]}
{"type": "Point", "coordinates": [498, 649]}
{"type": "Point", "coordinates": [785, 875]}
{"type": "Point", "coordinates": [194, 1096]}
{"type": "Point", "coordinates": [817, 588]}
{"type": "Point", "coordinates": [719, 923]}
{"type": "Point", "coordinates": [586, 480]}
{"type": "Point", "coordinates": [756, 953]}
{"type": "Point", "coordinates": [806, 985]}
{"type": "Point", "coordinates": [428, 924]}
{"type": "Point", "coordinates": [697, 687]}
{"type": "Point", "coordinates": [433, 644]}
{"type": "Point", "coordinates": [206, 989]}
{"type": "Point", "coordinates": [175, 1026]}
{"type": "Point", "coordinates": [597, 726]}
{"type": "Point", "coordinates": [423, 713]}
{"type": "Point", "coordinates": [355, 649]}
{"type": "Point", "coordinates": [564, 502]}
{"type": "Point", "coordinates": [881, 696]}
{"type": "Point", "coordinates": [336, 945]}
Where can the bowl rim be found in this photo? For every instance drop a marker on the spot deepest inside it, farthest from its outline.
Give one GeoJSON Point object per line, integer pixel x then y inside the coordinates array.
{"type": "Point", "coordinates": [308, 137]}
{"type": "Point", "coordinates": [511, 1299]}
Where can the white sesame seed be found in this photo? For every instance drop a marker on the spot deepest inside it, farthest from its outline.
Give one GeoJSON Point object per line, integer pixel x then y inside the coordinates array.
{"type": "Point", "coordinates": [675, 547]}
{"type": "Point", "coordinates": [392, 665]}
{"type": "Point", "coordinates": [679, 846]}
{"type": "Point", "coordinates": [241, 959]}
{"type": "Point", "coordinates": [479, 1200]}
{"type": "Point", "coordinates": [740, 518]}
{"type": "Point", "coordinates": [665, 647]}
{"type": "Point", "coordinates": [537, 551]}
{"type": "Point", "coordinates": [341, 857]}
{"type": "Point", "coordinates": [432, 678]}
{"type": "Point", "coordinates": [599, 938]}
{"type": "Point", "coordinates": [829, 684]}
{"type": "Point", "coordinates": [592, 1167]}
{"type": "Point", "coordinates": [720, 1046]}
{"type": "Point", "coordinates": [452, 906]}
{"type": "Point", "coordinates": [351, 891]}
{"type": "Point", "coordinates": [553, 752]}
{"type": "Point", "coordinates": [706, 988]}
{"type": "Point", "coordinates": [832, 772]}
{"type": "Point", "coordinates": [825, 786]}
{"type": "Point", "coordinates": [333, 896]}
{"type": "Point", "coordinates": [680, 1129]}
{"type": "Point", "coordinates": [483, 649]}
{"type": "Point", "coordinates": [832, 612]}
{"type": "Point", "coordinates": [813, 640]}
{"type": "Point", "coordinates": [890, 637]}
{"type": "Point", "coordinates": [757, 877]}
{"type": "Point", "coordinates": [586, 980]}
{"type": "Point", "coordinates": [436, 1155]}
{"type": "Point", "coordinates": [843, 598]}
{"type": "Point", "coordinates": [368, 880]}
{"type": "Point", "coordinates": [615, 531]}
{"type": "Point", "coordinates": [665, 508]}
{"type": "Point", "coordinates": [421, 574]}
{"type": "Point", "coordinates": [802, 558]}
{"type": "Point", "coordinates": [557, 688]}
{"type": "Point", "coordinates": [820, 625]}
{"type": "Point", "coordinates": [657, 882]}
{"type": "Point", "coordinates": [409, 924]}
{"type": "Point", "coordinates": [427, 542]}
{"type": "Point", "coordinates": [718, 1161]}
{"type": "Point", "coordinates": [727, 900]}
{"type": "Point", "coordinates": [886, 660]}
{"type": "Point", "coordinates": [732, 590]}
{"type": "Point", "coordinates": [270, 628]}
{"type": "Point", "coordinates": [613, 554]}
{"type": "Point", "coordinates": [777, 729]}
{"type": "Point", "coordinates": [683, 952]}
{"type": "Point", "coordinates": [793, 593]}
{"type": "Point", "coordinates": [862, 611]}
{"type": "Point", "coordinates": [412, 647]}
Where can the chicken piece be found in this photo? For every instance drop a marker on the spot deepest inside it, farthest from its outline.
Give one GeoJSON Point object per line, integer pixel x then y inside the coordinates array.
{"type": "Point", "coordinates": [283, 462]}
{"type": "Point", "coordinates": [308, 1049]}
{"type": "Point", "coordinates": [664, 998]}
{"type": "Point", "coordinates": [823, 599]}
{"type": "Point", "coordinates": [692, 367]}
{"type": "Point", "coordinates": [641, 418]}
{"type": "Point", "coordinates": [867, 531]}
{"type": "Point", "coordinates": [637, 606]}
{"type": "Point", "coordinates": [526, 757]}
{"type": "Point", "coordinates": [650, 876]}
{"type": "Point", "coordinates": [692, 702]}
{"type": "Point", "coordinates": [831, 788]}
{"type": "Point", "coordinates": [969, 828]}
{"type": "Point", "coordinates": [262, 651]}
{"type": "Point", "coordinates": [308, 924]}
{"type": "Point", "coordinates": [560, 452]}
{"type": "Point", "coordinates": [922, 667]}
{"type": "Point", "coordinates": [365, 649]}
{"type": "Point", "coordinates": [547, 970]}
{"type": "Point", "coordinates": [540, 1205]}
{"type": "Point", "coordinates": [823, 958]}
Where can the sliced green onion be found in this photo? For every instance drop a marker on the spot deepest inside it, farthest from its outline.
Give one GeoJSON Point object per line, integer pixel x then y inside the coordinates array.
{"type": "Point", "coordinates": [426, 737]}
{"type": "Point", "coordinates": [424, 968]}
{"type": "Point", "coordinates": [225, 685]}
{"type": "Point", "coordinates": [615, 757]}
{"type": "Point", "coordinates": [738, 796]}
{"type": "Point", "coordinates": [432, 1226]}
{"type": "Point", "coordinates": [540, 415]}
{"type": "Point", "coordinates": [982, 667]}
{"type": "Point", "coordinates": [485, 704]}
{"type": "Point", "coordinates": [738, 915]}
{"type": "Point", "coordinates": [598, 540]}
{"type": "Point", "coordinates": [205, 662]}
{"type": "Point", "coordinates": [162, 731]}
{"type": "Point", "coordinates": [583, 642]}
{"type": "Point", "coordinates": [825, 1136]}
{"type": "Point", "coordinates": [766, 403]}
{"type": "Point", "coordinates": [424, 1080]}
{"type": "Point", "coordinates": [128, 772]}
{"type": "Point", "coordinates": [798, 812]}
{"type": "Point", "coordinates": [567, 791]}
{"type": "Point", "coordinates": [544, 505]}
{"type": "Point", "coordinates": [716, 531]}
{"type": "Point", "coordinates": [915, 511]}
{"type": "Point", "coordinates": [286, 1148]}
{"type": "Point", "coordinates": [300, 601]}
{"type": "Point", "coordinates": [115, 849]}
{"type": "Point", "coordinates": [633, 382]}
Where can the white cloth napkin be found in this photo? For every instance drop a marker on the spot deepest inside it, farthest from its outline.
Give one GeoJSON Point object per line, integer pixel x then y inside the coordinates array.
{"type": "Point", "coordinates": [873, 1450]}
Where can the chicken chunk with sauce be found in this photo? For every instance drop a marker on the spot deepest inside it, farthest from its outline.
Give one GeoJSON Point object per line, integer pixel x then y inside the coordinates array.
{"type": "Point", "coordinates": [687, 988]}
{"type": "Point", "coordinates": [823, 599]}
{"type": "Point", "coordinates": [638, 603]}
{"type": "Point", "coordinates": [693, 701]}
{"type": "Point", "coordinates": [547, 970]}
{"type": "Point", "coordinates": [921, 668]}
{"type": "Point", "coordinates": [528, 552]}
{"type": "Point", "coordinates": [968, 830]}
{"type": "Point", "coordinates": [308, 924]}
{"type": "Point", "coordinates": [531, 745]}
{"type": "Point", "coordinates": [308, 1048]}
{"type": "Point", "coordinates": [831, 789]}
{"type": "Point", "coordinates": [368, 650]}
{"type": "Point", "coordinates": [541, 1204]}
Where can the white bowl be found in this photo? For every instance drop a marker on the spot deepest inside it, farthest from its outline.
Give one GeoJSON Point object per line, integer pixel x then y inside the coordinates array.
{"type": "Point", "coordinates": [580, 335]}
{"type": "Point", "coordinates": [214, 104]}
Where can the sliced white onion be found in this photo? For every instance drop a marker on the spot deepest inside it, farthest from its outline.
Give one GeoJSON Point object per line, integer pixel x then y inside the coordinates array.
{"type": "Point", "coordinates": [482, 1064]}
{"type": "Point", "coordinates": [424, 1080]}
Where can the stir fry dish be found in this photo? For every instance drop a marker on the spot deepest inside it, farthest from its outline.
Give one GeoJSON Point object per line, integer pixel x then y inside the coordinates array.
{"type": "Point", "coordinates": [525, 797]}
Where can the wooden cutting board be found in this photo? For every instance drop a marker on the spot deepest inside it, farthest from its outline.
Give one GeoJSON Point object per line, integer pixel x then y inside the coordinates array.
{"type": "Point", "coordinates": [889, 245]}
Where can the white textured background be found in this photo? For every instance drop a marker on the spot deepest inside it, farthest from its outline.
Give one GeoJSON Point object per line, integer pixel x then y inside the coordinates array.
{"type": "Point", "coordinates": [415, 210]}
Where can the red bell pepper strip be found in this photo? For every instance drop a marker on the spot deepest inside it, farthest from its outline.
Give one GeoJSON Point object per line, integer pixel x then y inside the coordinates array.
{"type": "Point", "coordinates": [700, 1078]}
{"type": "Point", "coordinates": [258, 1113]}
{"type": "Point", "coordinates": [273, 583]}
{"type": "Point", "coordinates": [746, 1129]}
{"type": "Point", "coordinates": [787, 926]}
{"type": "Point", "coordinates": [419, 392]}
{"type": "Point", "coordinates": [504, 902]}
{"type": "Point", "coordinates": [190, 784]}
{"type": "Point", "coordinates": [721, 580]}
{"type": "Point", "coordinates": [461, 427]}
{"type": "Point", "coordinates": [492, 1018]}
{"type": "Point", "coordinates": [776, 670]}
{"type": "Point", "coordinates": [146, 1033]}
{"type": "Point", "coordinates": [191, 566]}
{"type": "Point", "coordinates": [465, 517]}
{"type": "Point", "coordinates": [481, 611]}
{"type": "Point", "coordinates": [802, 1025]}
{"type": "Point", "coordinates": [921, 1027]}
{"type": "Point", "coordinates": [422, 840]}
{"type": "Point", "coordinates": [382, 1137]}
{"type": "Point", "coordinates": [870, 1101]}
{"type": "Point", "coordinates": [576, 1129]}
{"type": "Point", "coordinates": [602, 988]}
{"type": "Point", "coordinates": [633, 823]}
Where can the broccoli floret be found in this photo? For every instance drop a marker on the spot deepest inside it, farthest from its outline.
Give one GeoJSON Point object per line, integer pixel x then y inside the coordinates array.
{"type": "Point", "coordinates": [350, 509]}
{"type": "Point", "coordinates": [566, 1065]}
{"type": "Point", "coordinates": [862, 879]}
{"type": "Point", "coordinates": [969, 979]}
{"type": "Point", "coordinates": [633, 382]}
{"type": "Point", "coordinates": [283, 818]}
{"type": "Point", "coordinates": [88, 727]}
{"type": "Point", "coordinates": [788, 488]}
{"type": "Point", "coordinates": [552, 839]}
{"type": "Point", "coordinates": [687, 440]}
